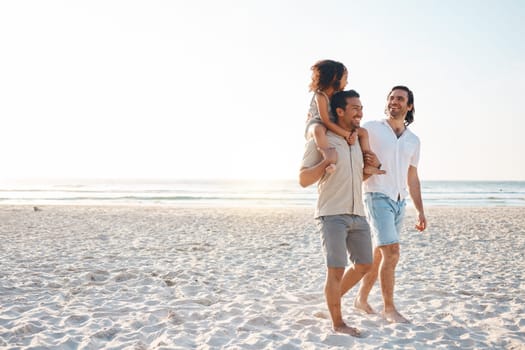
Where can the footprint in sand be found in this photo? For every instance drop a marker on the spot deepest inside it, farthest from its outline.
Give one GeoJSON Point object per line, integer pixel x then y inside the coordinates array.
{"type": "Point", "coordinates": [124, 276]}
{"type": "Point", "coordinates": [169, 283]}
{"type": "Point", "coordinates": [106, 333]}
{"type": "Point", "coordinates": [321, 314]}
{"type": "Point", "coordinates": [76, 320]}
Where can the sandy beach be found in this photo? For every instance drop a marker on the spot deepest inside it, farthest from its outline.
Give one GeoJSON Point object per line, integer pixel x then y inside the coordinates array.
{"type": "Point", "coordinates": [93, 277]}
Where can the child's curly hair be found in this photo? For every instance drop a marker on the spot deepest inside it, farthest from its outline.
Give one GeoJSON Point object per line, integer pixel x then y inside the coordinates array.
{"type": "Point", "coordinates": [326, 73]}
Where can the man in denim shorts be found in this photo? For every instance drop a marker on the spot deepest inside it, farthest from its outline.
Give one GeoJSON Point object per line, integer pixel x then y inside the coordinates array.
{"type": "Point", "coordinates": [340, 212]}
{"type": "Point", "coordinates": [398, 150]}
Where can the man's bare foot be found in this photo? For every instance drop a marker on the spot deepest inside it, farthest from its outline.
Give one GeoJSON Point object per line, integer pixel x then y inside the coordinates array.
{"type": "Point", "coordinates": [394, 317]}
{"type": "Point", "coordinates": [354, 332]}
{"type": "Point", "coordinates": [364, 307]}
{"type": "Point", "coordinates": [370, 170]}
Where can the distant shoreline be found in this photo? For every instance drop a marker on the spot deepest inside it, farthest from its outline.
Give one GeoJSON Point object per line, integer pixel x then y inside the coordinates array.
{"type": "Point", "coordinates": [270, 193]}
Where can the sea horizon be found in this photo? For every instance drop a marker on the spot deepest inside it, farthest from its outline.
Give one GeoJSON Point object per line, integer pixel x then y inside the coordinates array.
{"type": "Point", "coordinates": [238, 193]}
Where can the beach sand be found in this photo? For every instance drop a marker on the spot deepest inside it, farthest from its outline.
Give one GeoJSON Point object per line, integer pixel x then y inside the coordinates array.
{"type": "Point", "coordinates": [230, 278]}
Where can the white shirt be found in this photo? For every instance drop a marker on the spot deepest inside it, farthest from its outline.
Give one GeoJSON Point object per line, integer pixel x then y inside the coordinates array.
{"type": "Point", "coordinates": [396, 156]}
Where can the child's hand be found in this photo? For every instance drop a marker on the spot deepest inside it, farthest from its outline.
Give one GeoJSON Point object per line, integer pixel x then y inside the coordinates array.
{"type": "Point", "coordinates": [330, 169]}
{"type": "Point", "coordinates": [352, 137]}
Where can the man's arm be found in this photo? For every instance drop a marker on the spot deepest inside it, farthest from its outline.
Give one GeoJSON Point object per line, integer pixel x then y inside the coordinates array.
{"type": "Point", "coordinates": [372, 165]}
{"type": "Point", "coordinates": [414, 187]}
{"type": "Point", "coordinates": [309, 176]}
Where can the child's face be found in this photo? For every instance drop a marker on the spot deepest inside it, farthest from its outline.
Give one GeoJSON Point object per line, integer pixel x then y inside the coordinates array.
{"type": "Point", "coordinates": [344, 81]}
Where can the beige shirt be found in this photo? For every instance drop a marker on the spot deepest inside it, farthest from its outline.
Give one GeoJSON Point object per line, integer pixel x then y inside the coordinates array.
{"type": "Point", "coordinates": [341, 191]}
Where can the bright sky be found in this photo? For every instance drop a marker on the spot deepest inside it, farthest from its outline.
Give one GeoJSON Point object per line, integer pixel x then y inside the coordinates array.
{"type": "Point", "coordinates": [219, 89]}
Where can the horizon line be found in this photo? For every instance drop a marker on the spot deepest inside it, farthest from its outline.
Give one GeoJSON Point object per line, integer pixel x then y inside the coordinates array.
{"type": "Point", "coordinates": [219, 179]}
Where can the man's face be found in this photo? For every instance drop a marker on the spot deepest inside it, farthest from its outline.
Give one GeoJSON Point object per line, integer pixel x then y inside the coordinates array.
{"type": "Point", "coordinates": [397, 104]}
{"type": "Point", "coordinates": [353, 113]}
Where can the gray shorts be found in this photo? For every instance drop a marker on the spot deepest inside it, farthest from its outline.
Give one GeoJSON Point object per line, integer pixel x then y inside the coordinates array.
{"type": "Point", "coordinates": [343, 236]}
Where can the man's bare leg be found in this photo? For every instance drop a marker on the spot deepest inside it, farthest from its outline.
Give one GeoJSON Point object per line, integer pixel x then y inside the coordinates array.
{"type": "Point", "coordinates": [368, 281]}
{"type": "Point", "coordinates": [332, 293]}
{"type": "Point", "coordinates": [390, 257]}
{"type": "Point", "coordinates": [353, 275]}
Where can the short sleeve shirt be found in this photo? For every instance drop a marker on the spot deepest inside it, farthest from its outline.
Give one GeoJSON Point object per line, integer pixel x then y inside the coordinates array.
{"type": "Point", "coordinates": [396, 156]}
{"type": "Point", "coordinates": [341, 191]}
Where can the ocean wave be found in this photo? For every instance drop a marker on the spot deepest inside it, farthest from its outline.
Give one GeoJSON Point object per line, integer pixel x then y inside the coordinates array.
{"type": "Point", "coordinates": [266, 193]}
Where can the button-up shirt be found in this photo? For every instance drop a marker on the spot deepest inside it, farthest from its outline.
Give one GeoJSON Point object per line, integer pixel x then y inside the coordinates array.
{"type": "Point", "coordinates": [396, 156]}
{"type": "Point", "coordinates": [341, 191]}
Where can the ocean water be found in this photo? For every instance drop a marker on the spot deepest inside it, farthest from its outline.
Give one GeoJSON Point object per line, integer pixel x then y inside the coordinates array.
{"type": "Point", "coordinates": [237, 193]}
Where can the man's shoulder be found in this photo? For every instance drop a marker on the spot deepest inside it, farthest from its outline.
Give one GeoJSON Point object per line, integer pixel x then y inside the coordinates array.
{"type": "Point", "coordinates": [372, 124]}
{"type": "Point", "coordinates": [413, 136]}
{"type": "Point", "coordinates": [333, 138]}
{"type": "Point", "coordinates": [374, 127]}
{"type": "Point", "coordinates": [311, 154]}
{"type": "Point", "coordinates": [310, 145]}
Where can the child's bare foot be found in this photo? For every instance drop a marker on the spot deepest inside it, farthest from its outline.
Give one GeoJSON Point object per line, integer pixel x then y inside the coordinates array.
{"type": "Point", "coordinates": [329, 154]}
{"type": "Point", "coordinates": [370, 170]}
{"type": "Point", "coordinates": [330, 169]}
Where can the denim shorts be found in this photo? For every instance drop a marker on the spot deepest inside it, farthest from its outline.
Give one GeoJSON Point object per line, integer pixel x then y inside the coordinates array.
{"type": "Point", "coordinates": [385, 217]}
{"type": "Point", "coordinates": [345, 235]}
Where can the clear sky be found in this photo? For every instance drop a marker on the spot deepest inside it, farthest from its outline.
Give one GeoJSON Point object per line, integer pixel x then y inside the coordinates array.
{"type": "Point", "coordinates": [219, 89]}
